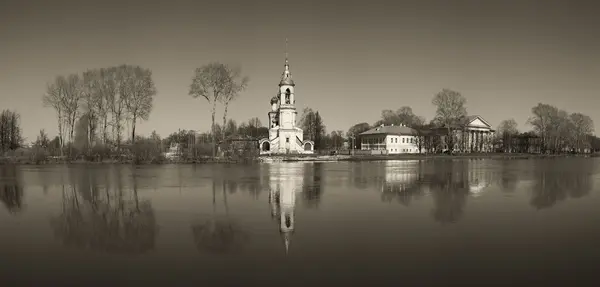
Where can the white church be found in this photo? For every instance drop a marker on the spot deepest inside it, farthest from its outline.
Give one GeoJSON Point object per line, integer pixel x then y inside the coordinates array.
{"type": "Point", "coordinates": [284, 136]}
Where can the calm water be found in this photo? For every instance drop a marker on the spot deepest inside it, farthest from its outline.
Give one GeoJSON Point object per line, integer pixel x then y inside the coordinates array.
{"type": "Point", "coordinates": [411, 223]}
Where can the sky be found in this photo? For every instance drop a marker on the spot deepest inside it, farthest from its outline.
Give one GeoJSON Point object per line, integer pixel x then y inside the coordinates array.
{"type": "Point", "coordinates": [349, 59]}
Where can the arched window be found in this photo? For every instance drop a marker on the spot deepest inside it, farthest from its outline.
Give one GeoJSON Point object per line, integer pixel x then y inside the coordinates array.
{"type": "Point", "coordinates": [287, 96]}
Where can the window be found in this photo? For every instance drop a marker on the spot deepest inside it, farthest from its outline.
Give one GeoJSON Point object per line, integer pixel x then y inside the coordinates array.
{"type": "Point", "coordinates": [287, 140]}
{"type": "Point", "coordinates": [412, 140]}
{"type": "Point", "coordinates": [287, 96]}
{"type": "Point", "coordinates": [402, 140]}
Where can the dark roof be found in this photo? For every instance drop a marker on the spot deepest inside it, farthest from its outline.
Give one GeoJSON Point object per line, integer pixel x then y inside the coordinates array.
{"type": "Point", "coordinates": [286, 78]}
{"type": "Point", "coordinates": [390, 130]}
{"type": "Point", "coordinates": [287, 81]}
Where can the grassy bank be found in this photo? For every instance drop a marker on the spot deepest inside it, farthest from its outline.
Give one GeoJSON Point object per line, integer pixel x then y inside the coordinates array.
{"type": "Point", "coordinates": [28, 161]}
{"type": "Point", "coordinates": [289, 158]}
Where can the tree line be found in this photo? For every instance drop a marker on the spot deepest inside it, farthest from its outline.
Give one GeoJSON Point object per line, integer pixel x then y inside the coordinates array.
{"type": "Point", "coordinates": [556, 130]}
{"type": "Point", "coordinates": [105, 99]}
{"type": "Point", "coordinates": [94, 107]}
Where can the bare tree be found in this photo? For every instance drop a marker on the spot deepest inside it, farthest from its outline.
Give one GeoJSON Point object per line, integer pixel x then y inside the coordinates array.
{"type": "Point", "coordinates": [139, 95]}
{"type": "Point", "coordinates": [10, 131]}
{"type": "Point", "coordinates": [116, 102]}
{"type": "Point", "coordinates": [583, 126]}
{"type": "Point", "coordinates": [108, 91]}
{"type": "Point", "coordinates": [211, 82]}
{"type": "Point", "coordinates": [237, 85]}
{"type": "Point", "coordinates": [92, 102]}
{"type": "Point", "coordinates": [54, 98]}
{"type": "Point", "coordinates": [507, 130]}
{"type": "Point", "coordinates": [541, 121]}
{"type": "Point", "coordinates": [450, 111]}
{"type": "Point", "coordinates": [72, 88]}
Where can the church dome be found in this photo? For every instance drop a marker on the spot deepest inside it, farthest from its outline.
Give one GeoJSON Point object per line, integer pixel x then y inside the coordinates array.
{"type": "Point", "coordinates": [286, 78]}
{"type": "Point", "coordinates": [286, 81]}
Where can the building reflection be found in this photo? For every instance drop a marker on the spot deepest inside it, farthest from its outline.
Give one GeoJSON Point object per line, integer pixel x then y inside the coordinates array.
{"type": "Point", "coordinates": [101, 211]}
{"type": "Point", "coordinates": [401, 181]}
{"type": "Point", "coordinates": [11, 188]}
{"type": "Point", "coordinates": [449, 183]}
{"type": "Point", "coordinates": [286, 181]}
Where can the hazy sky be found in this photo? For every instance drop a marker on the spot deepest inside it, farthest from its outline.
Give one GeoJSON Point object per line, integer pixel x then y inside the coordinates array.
{"type": "Point", "coordinates": [349, 59]}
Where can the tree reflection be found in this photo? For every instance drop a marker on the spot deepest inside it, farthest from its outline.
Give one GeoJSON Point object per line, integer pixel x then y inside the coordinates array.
{"type": "Point", "coordinates": [509, 176]}
{"type": "Point", "coordinates": [116, 221]}
{"type": "Point", "coordinates": [312, 185]}
{"type": "Point", "coordinates": [11, 188]}
{"type": "Point", "coordinates": [556, 182]}
{"type": "Point", "coordinates": [220, 233]}
{"type": "Point", "coordinates": [449, 188]}
{"type": "Point", "coordinates": [245, 178]}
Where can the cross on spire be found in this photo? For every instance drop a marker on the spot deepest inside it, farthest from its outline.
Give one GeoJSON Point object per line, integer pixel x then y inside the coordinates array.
{"type": "Point", "coordinates": [286, 50]}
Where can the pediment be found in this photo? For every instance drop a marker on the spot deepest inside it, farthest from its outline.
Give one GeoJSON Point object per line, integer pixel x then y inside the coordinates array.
{"type": "Point", "coordinates": [479, 122]}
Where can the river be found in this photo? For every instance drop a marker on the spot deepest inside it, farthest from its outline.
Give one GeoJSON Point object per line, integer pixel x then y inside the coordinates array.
{"type": "Point", "coordinates": [474, 222]}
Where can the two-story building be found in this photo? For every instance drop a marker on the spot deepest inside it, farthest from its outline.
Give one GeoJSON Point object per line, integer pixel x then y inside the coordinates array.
{"type": "Point", "coordinates": [390, 140]}
{"type": "Point", "coordinates": [473, 134]}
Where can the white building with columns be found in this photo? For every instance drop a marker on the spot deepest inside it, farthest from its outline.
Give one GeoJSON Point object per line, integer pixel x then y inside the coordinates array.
{"type": "Point", "coordinates": [284, 136]}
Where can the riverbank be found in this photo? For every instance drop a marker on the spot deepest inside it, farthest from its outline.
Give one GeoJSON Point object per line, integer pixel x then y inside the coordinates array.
{"type": "Point", "coordinates": [427, 157]}
{"type": "Point", "coordinates": [295, 158]}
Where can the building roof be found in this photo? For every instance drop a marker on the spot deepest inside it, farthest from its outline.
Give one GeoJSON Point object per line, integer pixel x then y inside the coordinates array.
{"type": "Point", "coordinates": [390, 130]}
{"type": "Point", "coordinates": [286, 77]}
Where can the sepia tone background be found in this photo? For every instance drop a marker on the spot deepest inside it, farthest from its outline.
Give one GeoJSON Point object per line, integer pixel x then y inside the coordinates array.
{"type": "Point", "coordinates": [349, 59]}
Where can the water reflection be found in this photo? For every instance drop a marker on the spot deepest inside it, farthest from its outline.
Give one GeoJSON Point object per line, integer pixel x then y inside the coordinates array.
{"type": "Point", "coordinates": [103, 217]}
{"type": "Point", "coordinates": [11, 188]}
{"type": "Point", "coordinates": [286, 180]}
{"type": "Point", "coordinates": [312, 185]}
{"type": "Point", "coordinates": [220, 233]}
{"type": "Point", "coordinates": [245, 178]}
{"type": "Point", "coordinates": [556, 182]}
{"type": "Point", "coordinates": [401, 181]}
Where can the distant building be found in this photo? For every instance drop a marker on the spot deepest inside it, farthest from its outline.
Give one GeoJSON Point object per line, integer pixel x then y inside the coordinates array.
{"type": "Point", "coordinates": [174, 151]}
{"type": "Point", "coordinates": [474, 134]}
{"type": "Point", "coordinates": [390, 140]}
{"type": "Point", "coordinates": [284, 136]}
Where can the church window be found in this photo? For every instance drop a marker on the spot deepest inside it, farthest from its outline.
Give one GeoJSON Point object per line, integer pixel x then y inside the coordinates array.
{"type": "Point", "coordinates": [287, 96]}
{"type": "Point", "coordinates": [287, 140]}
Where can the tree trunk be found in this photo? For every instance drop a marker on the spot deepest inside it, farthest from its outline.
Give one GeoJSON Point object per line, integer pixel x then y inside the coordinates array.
{"type": "Point", "coordinates": [214, 136]}
{"type": "Point", "coordinates": [105, 129]}
{"type": "Point", "coordinates": [60, 132]}
{"type": "Point", "coordinates": [225, 119]}
{"type": "Point", "coordinates": [133, 128]}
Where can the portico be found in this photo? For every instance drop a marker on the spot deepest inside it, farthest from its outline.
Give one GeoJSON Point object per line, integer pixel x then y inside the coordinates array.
{"type": "Point", "coordinates": [475, 136]}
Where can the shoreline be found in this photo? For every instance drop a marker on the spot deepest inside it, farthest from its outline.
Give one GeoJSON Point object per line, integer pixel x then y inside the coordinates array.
{"type": "Point", "coordinates": [431, 157]}
{"type": "Point", "coordinates": [306, 158]}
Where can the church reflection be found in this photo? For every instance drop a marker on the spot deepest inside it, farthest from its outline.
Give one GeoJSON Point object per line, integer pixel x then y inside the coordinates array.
{"type": "Point", "coordinates": [286, 181]}
{"type": "Point", "coordinates": [11, 188]}
{"type": "Point", "coordinates": [101, 211]}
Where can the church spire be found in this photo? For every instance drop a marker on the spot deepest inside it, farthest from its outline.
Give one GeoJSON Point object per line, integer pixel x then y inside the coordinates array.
{"type": "Point", "coordinates": [286, 52]}
{"type": "Point", "coordinates": [286, 78]}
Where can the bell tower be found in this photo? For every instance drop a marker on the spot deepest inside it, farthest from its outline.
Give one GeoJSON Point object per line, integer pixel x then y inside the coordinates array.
{"type": "Point", "coordinates": [287, 101]}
